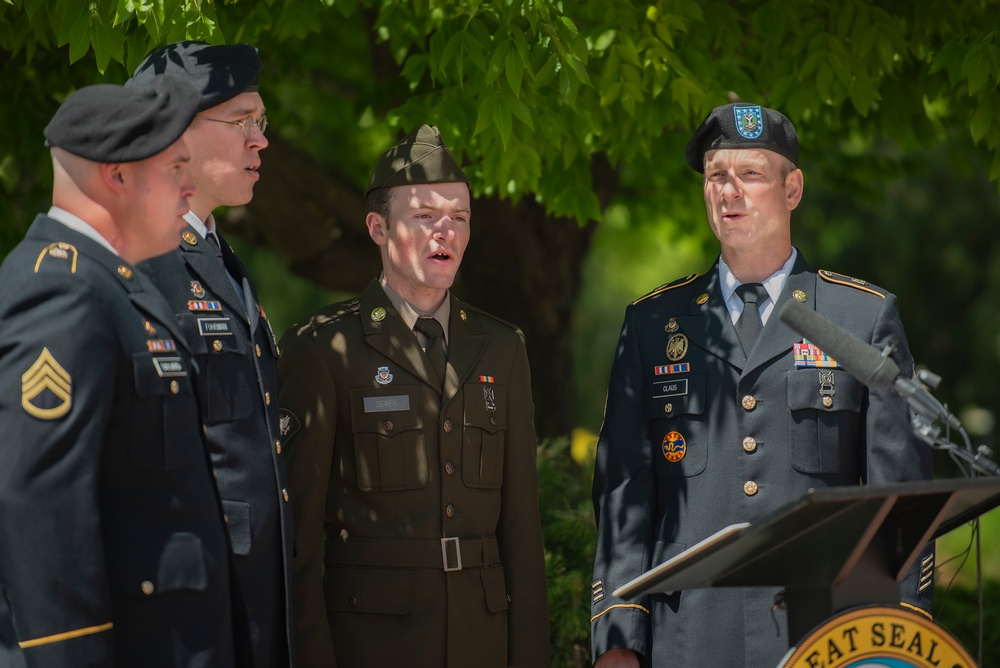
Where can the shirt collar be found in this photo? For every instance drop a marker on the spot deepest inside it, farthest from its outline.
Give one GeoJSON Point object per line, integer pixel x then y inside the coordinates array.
{"type": "Point", "coordinates": [79, 225]}
{"type": "Point", "coordinates": [203, 228]}
{"type": "Point", "coordinates": [409, 314]}
{"type": "Point", "coordinates": [774, 284]}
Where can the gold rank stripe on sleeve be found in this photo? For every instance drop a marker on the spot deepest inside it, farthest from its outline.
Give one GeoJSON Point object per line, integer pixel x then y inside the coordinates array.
{"type": "Point", "coordinates": [841, 279]}
{"type": "Point", "coordinates": [61, 251]}
{"type": "Point", "coordinates": [634, 606]}
{"type": "Point", "coordinates": [46, 374]}
{"type": "Point", "coordinates": [68, 635]}
{"type": "Point", "coordinates": [669, 286]}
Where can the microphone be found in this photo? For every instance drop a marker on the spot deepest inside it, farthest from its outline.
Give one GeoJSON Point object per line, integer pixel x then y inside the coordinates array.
{"type": "Point", "coordinates": [863, 361]}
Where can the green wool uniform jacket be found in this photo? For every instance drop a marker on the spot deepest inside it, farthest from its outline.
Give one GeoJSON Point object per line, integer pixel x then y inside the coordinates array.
{"type": "Point", "coordinates": [112, 544]}
{"type": "Point", "coordinates": [698, 436]}
{"type": "Point", "coordinates": [393, 477]}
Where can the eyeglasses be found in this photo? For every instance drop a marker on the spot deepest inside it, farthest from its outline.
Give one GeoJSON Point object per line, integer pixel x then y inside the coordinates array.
{"type": "Point", "coordinates": [246, 124]}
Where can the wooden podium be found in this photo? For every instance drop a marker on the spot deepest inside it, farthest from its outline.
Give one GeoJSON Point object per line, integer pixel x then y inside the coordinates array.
{"type": "Point", "coordinates": [833, 549]}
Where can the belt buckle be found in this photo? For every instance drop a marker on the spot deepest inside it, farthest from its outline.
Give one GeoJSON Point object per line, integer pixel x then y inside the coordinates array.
{"type": "Point", "coordinates": [444, 554]}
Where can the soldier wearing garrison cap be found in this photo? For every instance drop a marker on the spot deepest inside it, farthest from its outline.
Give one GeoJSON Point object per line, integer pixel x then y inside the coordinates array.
{"type": "Point", "coordinates": [112, 543]}
{"type": "Point", "coordinates": [407, 416]}
{"type": "Point", "coordinates": [216, 305]}
{"type": "Point", "coordinates": [717, 413]}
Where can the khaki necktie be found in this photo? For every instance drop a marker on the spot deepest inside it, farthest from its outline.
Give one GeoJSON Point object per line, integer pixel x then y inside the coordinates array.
{"type": "Point", "coordinates": [432, 329]}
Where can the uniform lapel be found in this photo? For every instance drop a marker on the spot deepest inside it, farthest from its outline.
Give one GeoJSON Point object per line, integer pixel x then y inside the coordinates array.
{"type": "Point", "coordinates": [708, 325]}
{"type": "Point", "coordinates": [200, 256]}
{"type": "Point", "coordinates": [466, 342]}
{"type": "Point", "coordinates": [777, 338]}
{"type": "Point", "coordinates": [386, 332]}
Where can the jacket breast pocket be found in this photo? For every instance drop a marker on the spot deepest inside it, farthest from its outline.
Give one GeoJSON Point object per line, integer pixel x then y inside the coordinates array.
{"type": "Point", "coordinates": [823, 427]}
{"type": "Point", "coordinates": [389, 448]}
{"type": "Point", "coordinates": [484, 433]}
{"type": "Point", "coordinates": [226, 382]}
{"type": "Point", "coordinates": [163, 400]}
{"type": "Point", "coordinates": [147, 566]}
{"type": "Point", "coordinates": [676, 411]}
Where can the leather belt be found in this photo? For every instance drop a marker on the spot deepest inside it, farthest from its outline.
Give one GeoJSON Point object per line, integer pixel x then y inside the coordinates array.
{"type": "Point", "coordinates": [448, 554]}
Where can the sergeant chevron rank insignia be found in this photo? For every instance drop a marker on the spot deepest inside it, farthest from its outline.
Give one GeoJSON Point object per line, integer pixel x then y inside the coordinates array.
{"type": "Point", "coordinates": [46, 388]}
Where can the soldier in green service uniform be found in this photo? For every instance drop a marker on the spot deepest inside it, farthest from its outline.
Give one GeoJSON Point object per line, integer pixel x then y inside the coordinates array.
{"type": "Point", "coordinates": [407, 417]}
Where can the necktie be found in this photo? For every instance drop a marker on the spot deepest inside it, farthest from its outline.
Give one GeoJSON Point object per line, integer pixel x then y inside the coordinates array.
{"type": "Point", "coordinates": [431, 328]}
{"type": "Point", "coordinates": [749, 324]}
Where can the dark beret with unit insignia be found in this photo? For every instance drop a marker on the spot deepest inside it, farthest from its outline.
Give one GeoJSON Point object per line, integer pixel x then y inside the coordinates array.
{"type": "Point", "coordinates": [741, 125]}
{"type": "Point", "coordinates": [420, 157]}
{"type": "Point", "coordinates": [219, 72]}
{"type": "Point", "coordinates": [110, 123]}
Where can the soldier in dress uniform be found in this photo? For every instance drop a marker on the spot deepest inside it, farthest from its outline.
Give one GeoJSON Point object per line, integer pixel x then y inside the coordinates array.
{"type": "Point", "coordinates": [718, 413]}
{"type": "Point", "coordinates": [112, 544]}
{"type": "Point", "coordinates": [411, 450]}
{"type": "Point", "coordinates": [216, 306]}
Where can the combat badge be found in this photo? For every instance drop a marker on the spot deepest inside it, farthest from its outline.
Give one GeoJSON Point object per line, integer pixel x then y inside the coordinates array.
{"type": "Point", "coordinates": [197, 289]}
{"type": "Point", "coordinates": [677, 347]}
{"type": "Point", "coordinates": [826, 387]}
{"type": "Point", "coordinates": [46, 388]}
{"type": "Point", "coordinates": [383, 376]}
{"type": "Point", "coordinates": [674, 447]}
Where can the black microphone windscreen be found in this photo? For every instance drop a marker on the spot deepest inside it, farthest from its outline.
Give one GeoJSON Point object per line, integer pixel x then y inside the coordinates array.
{"type": "Point", "coordinates": [859, 358]}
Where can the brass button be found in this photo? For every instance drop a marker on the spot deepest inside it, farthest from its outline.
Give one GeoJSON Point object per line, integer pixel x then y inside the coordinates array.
{"type": "Point", "coordinates": [749, 402]}
{"type": "Point", "coordinates": [449, 468]}
{"type": "Point", "coordinates": [388, 425]}
{"type": "Point", "coordinates": [267, 398]}
{"type": "Point", "coordinates": [447, 426]}
{"type": "Point", "coordinates": [284, 493]}
{"type": "Point", "coordinates": [450, 510]}
{"type": "Point", "coordinates": [175, 387]}
{"type": "Point", "coordinates": [353, 600]}
{"type": "Point", "coordinates": [277, 447]}
{"type": "Point", "coordinates": [147, 587]}
{"type": "Point", "coordinates": [257, 349]}
{"type": "Point", "coordinates": [668, 409]}
{"type": "Point", "coordinates": [217, 345]}
{"type": "Point", "coordinates": [750, 444]}
{"type": "Point", "coordinates": [225, 518]}
{"type": "Point", "coordinates": [493, 420]}
{"type": "Point", "coordinates": [749, 488]}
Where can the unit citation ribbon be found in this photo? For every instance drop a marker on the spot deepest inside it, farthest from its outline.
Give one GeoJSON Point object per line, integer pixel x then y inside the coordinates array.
{"type": "Point", "coordinates": [808, 356]}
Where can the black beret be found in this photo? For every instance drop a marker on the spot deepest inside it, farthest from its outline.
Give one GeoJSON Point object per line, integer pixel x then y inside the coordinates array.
{"type": "Point", "coordinates": [219, 72]}
{"type": "Point", "coordinates": [740, 125]}
{"type": "Point", "coordinates": [420, 157]}
{"type": "Point", "coordinates": [109, 123]}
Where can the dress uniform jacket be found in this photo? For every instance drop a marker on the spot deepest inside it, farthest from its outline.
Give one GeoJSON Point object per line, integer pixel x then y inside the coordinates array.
{"type": "Point", "coordinates": [112, 546]}
{"type": "Point", "coordinates": [236, 384]}
{"type": "Point", "coordinates": [747, 437]}
{"type": "Point", "coordinates": [393, 478]}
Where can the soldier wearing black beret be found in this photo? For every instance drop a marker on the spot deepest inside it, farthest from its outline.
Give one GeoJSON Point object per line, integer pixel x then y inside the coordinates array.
{"type": "Point", "coordinates": [411, 450]}
{"type": "Point", "coordinates": [717, 413]}
{"type": "Point", "coordinates": [112, 543]}
{"type": "Point", "coordinates": [216, 305]}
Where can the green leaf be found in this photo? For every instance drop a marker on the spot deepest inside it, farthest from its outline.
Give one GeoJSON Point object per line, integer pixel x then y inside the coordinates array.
{"type": "Point", "coordinates": [514, 70]}
{"type": "Point", "coordinates": [568, 87]}
{"type": "Point", "coordinates": [604, 40]}
{"type": "Point", "coordinates": [519, 109]}
{"type": "Point", "coordinates": [503, 120]}
{"type": "Point", "coordinates": [982, 120]}
{"type": "Point", "coordinates": [473, 49]}
{"type": "Point", "coordinates": [547, 72]}
{"type": "Point", "coordinates": [497, 61]}
{"type": "Point", "coordinates": [611, 93]}
{"type": "Point", "coordinates": [579, 69]}
{"type": "Point", "coordinates": [484, 113]}
{"type": "Point", "coordinates": [450, 49]}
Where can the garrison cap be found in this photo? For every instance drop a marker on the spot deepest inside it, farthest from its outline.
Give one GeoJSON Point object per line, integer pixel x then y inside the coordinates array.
{"type": "Point", "coordinates": [218, 72]}
{"type": "Point", "coordinates": [110, 123]}
{"type": "Point", "coordinates": [420, 157]}
{"type": "Point", "coordinates": [741, 125]}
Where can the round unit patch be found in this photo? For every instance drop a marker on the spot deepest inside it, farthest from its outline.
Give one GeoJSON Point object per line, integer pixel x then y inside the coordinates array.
{"type": "Point", "coordinates": [674, 447]}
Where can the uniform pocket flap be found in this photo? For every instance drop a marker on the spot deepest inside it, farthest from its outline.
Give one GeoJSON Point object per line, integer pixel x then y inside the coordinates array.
{"type": "Point", "coordinates": [838, 388]}
{"type": "Point", "coordinates": [238, 523]}
{"type": "Point", "coordinates": [495, 589]}
{"type": "Point", "coordinates": [386, 413]}
{"type": "Point", "coordinates": [485, 406]}
{"type": "Point", "coordinates": [151, 565]}
{"type": "Point", "coordinates": [369, 590]}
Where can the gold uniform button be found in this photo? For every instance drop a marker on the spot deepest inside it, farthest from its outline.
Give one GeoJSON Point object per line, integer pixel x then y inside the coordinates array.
{"type": "Point", "coordinates": [175, 387]}
{"type": "Point", "coordinates": [749, 402]}
{"type": "Point", "coordinates": [147, 587]}
{"type": "Point", "coordinates": [388, 425]}
{"type": "Point", "coordinates": [284, 493]}
{"type": "Point", "coordinates": [668, 409]}
{"type": "Point", "coordinates": [352, 600]}
{"type": "Point", "coordinates": [449, 468]}
{"type": "Point", "coordinates": [750, 488]}
{"type": "Point", "coordinates": [750, 444]}
{"type": "Point", "coordinates": [217, 345]}
{"type": "Point", "coordinates": [267, 398]}
{"type": "Point", "coordinates": [277, 447]}
{"type": "Point", "coordinates": [447, 426]}
{"type": "Point", "coordinates": [225, 518]}
{"type": "Point", "coordinates": [257, 349]}
{"type": "Point", "coordinates": [450, 510]}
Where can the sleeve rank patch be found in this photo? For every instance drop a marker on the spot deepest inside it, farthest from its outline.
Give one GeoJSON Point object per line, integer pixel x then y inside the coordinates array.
{"type": "Point", "coordinates": [46, 388]}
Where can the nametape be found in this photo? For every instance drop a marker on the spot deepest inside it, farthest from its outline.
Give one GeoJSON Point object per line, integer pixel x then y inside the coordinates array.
{"type": "Point", "coordinates": [396, 402]}
{"type": "Point", "coordinates": [169, 366]}
{"type": "Point", "coordinates": [215, 326]}
{"type": "Point", "coordinates": [671, 388]}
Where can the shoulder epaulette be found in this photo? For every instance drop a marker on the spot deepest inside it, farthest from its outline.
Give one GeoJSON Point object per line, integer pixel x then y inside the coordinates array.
{"type": "Point", "coordinates": [466, 307]}
{"type": "Point", "coordinates": [856, 283]}
{"type": "Point", "coordinates": [668, 286]}
{"type": "Point", "coordinates": [327, 316]}
{"type": "Point", "coordinates": [61, 251]}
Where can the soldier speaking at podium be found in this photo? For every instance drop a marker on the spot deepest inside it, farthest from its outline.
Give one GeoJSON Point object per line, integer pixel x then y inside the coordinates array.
{"type": "Point", "coordinates": [717, 413]}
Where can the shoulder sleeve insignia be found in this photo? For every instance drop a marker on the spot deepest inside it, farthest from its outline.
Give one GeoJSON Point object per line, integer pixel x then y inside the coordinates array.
{"type": "Point", "coordinates": [856, 283]}
{"type": "Point", "coordinates": [288, 424]}
{"type": "Point", "coordinates": [668, 286]}
{"type": "Point", "coordinates": [46, 388]}
{"type": "Point", "coordinates": [61, 251]}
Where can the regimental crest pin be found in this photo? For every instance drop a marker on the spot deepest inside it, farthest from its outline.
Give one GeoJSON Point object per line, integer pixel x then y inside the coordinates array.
{"type": "Point", "coordinates": [197, 289]}
{"type": "Point", "coordinates": [383, 376]}
{"type": "Point", "coordinates": [749, 121]}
